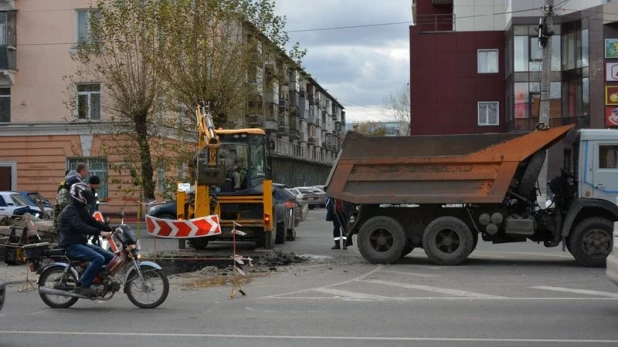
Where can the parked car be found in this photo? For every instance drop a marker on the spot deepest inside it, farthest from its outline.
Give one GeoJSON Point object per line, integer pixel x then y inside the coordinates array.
{"type": "Point", "coordinates": [287, 208]}
{"type": "Point", "coordinates": [36, 198]}
{"type": "Point", "coordinates": [611, 262]}
{"type": "Point", "coordinates": [11, 201]}
{"type": "Point", "coordinates": [2, 294]}
{"type": "Point", "coordinates": [297, 194]}
{"type": "Point", "coordinates": [313, 196]}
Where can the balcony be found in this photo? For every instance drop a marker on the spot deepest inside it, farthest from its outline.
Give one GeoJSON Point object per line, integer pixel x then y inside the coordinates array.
{"type": "Point", "coordinates": [529, 124]}
{"type": "Point", "coordinates": [295, 134]}
{"type": "Point", "coordinates": [255, 120]}
{"type": "Point", "coordinates": [428, 23]}
{"type": "Point", "coordinates": [313, 140]}
{"type": "Point", "coordinates": [283, 104]}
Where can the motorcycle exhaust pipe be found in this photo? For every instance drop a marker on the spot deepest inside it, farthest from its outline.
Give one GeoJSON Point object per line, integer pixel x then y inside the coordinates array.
{"type": "Point", "coordinates": [52, 291]}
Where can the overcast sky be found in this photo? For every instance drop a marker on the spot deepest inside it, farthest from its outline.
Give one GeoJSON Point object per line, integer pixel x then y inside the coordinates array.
{"type": "Point", "coordinates": [358, 66]}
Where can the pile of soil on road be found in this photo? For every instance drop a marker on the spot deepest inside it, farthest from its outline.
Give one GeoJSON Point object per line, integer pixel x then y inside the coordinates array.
{"type": "Point", "coordinates": [218, 275]}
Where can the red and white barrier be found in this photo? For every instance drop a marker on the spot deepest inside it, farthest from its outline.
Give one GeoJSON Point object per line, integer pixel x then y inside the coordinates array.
{"type": "Point", "coordinates": [98, 216]}
{"type": "Point", "coordinates": [178, 229]}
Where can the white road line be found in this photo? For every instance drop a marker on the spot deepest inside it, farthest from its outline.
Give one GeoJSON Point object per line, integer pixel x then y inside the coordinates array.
{"type": "Point", "coordinates": [414, 274]}
{"type": "Point", "coordinates": [315, 337]}
{"type": "Point", "coordinates": [578, 291]}
{"type": "Point", "coordinates": [454, 292]}
{"type": "Point", "coordinates": [328, 286]}
{"type": "Point", "coordinates": [348, 294]}
{"type": "Point", "coordinates": [446, 298]}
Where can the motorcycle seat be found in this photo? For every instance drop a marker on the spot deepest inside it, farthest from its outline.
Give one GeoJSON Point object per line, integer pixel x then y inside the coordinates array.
{"type": "Point", "coordinates": [56, 252]}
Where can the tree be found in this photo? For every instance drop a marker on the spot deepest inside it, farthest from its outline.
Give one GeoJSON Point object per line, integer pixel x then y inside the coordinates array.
{"type": "Point", "coordinates": [397, 106]}
{"type": "Point", "coordinates": [121, 54]}
{"type": "Point", "coordinates": [151, 57]}
{"type": "Point", "coordinates": [216, 51]}
{"type": "Point", "coordinates": [370, 128]}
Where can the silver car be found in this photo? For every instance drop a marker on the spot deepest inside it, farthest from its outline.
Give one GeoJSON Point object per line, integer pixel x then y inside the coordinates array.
{"type": "Point", "coordinates": [612, 258]}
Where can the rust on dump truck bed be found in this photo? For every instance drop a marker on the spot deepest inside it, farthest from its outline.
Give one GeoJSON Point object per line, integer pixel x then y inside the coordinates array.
{"type": "Point", "coordinates": [447, 169]}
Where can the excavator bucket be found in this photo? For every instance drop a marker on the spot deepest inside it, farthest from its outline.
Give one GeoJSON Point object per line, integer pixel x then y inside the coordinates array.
{"type": "Point", "coordinates": [448, 169]}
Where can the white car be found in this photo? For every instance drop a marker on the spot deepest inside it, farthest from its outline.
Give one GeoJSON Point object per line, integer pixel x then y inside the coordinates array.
{"type": "Point", "coordinates": [11, 201]}
{"type": "Point", "coordinates": [297, 193]}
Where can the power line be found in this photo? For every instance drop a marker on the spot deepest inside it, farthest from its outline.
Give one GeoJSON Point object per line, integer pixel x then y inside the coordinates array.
{"type": "Point", "coordinates": [405, 22]}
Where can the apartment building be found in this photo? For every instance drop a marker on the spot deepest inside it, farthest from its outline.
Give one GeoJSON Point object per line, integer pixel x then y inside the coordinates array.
{"type": "Point", "coordinates": [475, 66]}
{"type": "Point", "coordinates": [38, 143]}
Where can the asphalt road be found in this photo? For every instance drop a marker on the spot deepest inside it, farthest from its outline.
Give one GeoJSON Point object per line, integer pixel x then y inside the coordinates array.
{"type": "Point", "coordinates": [505, 295]}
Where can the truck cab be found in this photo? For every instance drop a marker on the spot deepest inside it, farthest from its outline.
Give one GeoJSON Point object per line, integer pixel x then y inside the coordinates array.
{"type": "Point", "coordinates": [597, 172]}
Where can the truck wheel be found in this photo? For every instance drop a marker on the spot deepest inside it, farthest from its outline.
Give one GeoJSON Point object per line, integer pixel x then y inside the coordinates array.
{"type": "Point", "coordinates": [381, 240]}
{"type": "Point", "coordinates": [531, 175]}
{"type": "Point", "coordinates": [199, 243]}
{"type": "Point", "coordinates": [448, 241]}
{"type": "Point", "coordinates": [591, 241]}
{"type": "Point", "coordinates": [407, 249]}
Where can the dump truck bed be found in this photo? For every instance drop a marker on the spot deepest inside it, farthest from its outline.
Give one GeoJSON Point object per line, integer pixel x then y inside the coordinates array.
{"type": "Point", "coordinates": [449, 169]}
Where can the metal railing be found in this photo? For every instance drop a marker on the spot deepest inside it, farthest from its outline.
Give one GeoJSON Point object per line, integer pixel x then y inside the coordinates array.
{"type": "Point", "coordinates": [435, 22]}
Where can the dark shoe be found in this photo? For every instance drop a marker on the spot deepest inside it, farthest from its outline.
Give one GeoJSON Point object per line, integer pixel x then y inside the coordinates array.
{"type": "Point", "coordinates": [336, 247]}
{"type": "Point", "coordinates": [345, 247]}
{"type": "Point", "coordinates": [85, 291]}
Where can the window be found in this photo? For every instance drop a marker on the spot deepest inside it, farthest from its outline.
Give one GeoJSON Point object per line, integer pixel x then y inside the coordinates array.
{"type": "Point", "coordinates": [488, 113]}
{"type": "Point", "coordinates": [89, 101]}
{"type": "Point", "coordinates": [608, 157]}
{"type": "Point", "coordinates": [83, 24]}
{"type": "Point", "coordinates": [2, 203]}
{"type": "Point", "coordinates": [487, 61]}
{"type": "Point", "coordinates": [5, 105]}
{"type": "Point", "coordinates": [96, 167]}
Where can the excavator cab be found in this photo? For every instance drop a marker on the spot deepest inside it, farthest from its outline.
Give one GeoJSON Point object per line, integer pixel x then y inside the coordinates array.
{"type": "Point", "coordinates": [243, 154]}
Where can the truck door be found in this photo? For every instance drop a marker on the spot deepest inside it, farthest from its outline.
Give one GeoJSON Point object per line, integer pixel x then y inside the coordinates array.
{"type": "Point", "coordinates": [605, 175]}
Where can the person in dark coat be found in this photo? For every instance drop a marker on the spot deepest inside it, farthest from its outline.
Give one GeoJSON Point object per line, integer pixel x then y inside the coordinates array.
{"type": "Point", "coordinates": [339, 212]}
{"type": "Point", "coordinates": [76, 224]}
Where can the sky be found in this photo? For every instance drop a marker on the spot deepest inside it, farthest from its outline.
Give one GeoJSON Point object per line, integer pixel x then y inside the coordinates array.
{"type": "Point", "coordinates": [357, 66]}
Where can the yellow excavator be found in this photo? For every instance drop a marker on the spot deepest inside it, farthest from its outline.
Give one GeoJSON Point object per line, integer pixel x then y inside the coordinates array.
{"type": "Point", "coordinates": [230, 178]}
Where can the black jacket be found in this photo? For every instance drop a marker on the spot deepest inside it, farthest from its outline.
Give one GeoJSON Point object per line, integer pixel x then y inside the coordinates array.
{"type": "Point", "coordinates": [76, 224]}
{"type": "Point", "coordinates": [343, 216]}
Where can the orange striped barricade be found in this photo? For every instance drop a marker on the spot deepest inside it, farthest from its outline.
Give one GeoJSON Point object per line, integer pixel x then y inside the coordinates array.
{"type": "Point", "coordinates": [179, 229]}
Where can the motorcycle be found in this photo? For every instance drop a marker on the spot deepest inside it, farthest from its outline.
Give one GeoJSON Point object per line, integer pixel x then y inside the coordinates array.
{"type": "Point", "coordinates": [58, 273]}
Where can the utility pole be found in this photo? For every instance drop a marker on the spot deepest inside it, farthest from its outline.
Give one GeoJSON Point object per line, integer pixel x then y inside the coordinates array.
{"type": "Point", "coordinates": [545, 34]}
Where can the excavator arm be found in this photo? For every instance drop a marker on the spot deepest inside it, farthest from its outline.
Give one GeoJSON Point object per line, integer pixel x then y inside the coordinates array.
{"type": "Point", "coordinates": [208, 169]}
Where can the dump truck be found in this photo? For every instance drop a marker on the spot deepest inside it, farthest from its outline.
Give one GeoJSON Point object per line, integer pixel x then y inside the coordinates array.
{"type": "Point", "coordinates": [443, 193]}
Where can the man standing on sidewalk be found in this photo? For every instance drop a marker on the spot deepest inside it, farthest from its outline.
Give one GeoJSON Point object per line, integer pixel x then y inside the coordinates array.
{"type": "Point", "coordinates": [338, 211]}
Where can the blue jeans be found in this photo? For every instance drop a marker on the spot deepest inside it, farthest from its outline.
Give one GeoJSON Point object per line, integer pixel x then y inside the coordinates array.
{"type": "Point", "coordinates": [96, 256]}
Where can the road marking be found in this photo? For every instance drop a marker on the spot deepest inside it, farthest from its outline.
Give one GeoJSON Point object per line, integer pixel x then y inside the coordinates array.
{"type": "Point", "coordinates": [313, 337]}
{"type": "Point", "coordinates": [328, 286]}
{"type": "Point", "coordinates": [578, 291]}
{"type": "Point", "coordinates": [454, 292]}
{"type": "Point", "coordinates": [348, 294]}
{"type": "Point", "coordinates": [448, 298]}
{"type": "Point", "coordinates": [414, 274]}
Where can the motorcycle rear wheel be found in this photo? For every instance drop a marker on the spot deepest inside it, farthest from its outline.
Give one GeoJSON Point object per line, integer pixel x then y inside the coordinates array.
{"type": "Point", "coordinates": [70, 283]}
{"type": "Point", "coordinates": [135, 284]}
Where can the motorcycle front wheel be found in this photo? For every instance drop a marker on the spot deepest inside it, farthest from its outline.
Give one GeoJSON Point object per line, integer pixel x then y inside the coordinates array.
{"type": "Point", "coordinates": [54, 277]}
{"type": "Point", "coordinates": [149, 292]}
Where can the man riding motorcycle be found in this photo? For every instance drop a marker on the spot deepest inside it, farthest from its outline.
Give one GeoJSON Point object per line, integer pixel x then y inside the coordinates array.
{"type": "Point", "coordinates": [76, 224]}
